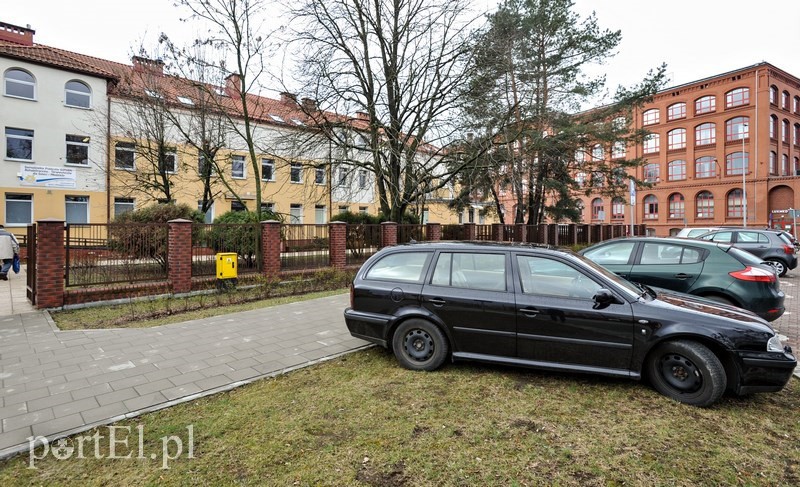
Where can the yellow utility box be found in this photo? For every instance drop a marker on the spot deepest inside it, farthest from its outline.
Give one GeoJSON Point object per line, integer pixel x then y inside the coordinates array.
{"type": "Point", "coordinates": [226, 269]}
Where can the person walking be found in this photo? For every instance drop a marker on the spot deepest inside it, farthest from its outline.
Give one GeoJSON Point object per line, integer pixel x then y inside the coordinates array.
{"type": "Point", "coordinates": [9, 247]}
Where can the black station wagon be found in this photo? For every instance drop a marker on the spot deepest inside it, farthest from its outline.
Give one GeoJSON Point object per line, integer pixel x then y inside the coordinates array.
{"type": "Point", "coordinates": [552, 309]}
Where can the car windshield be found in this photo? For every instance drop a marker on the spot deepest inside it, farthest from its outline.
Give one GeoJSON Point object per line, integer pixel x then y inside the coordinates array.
{"type": "Point", "coordinates": [623, 283]}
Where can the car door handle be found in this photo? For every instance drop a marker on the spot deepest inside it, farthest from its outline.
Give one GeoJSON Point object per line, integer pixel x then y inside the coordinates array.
{"type": "Point", "coordinates": [529, 311]}
{"type": "Point", "coordinates": [436, 301]}
{"type": "Point", "coordinates": [681, 275]}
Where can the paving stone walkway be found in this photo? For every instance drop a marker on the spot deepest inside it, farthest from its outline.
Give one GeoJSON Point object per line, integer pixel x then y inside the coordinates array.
{"type": "Point", "coordinates": [61, 382]}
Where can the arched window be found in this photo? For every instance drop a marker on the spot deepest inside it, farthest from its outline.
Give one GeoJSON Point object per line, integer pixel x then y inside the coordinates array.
{"type": "Point", "coordinates": [785, 131]}
{"type": "Point", "coordinates": [580, 178]}
{"type": "Point", "coordinates": [651, 172]}
{"type": "Point", "coordinates": [580, 156]}
{"type": "Point", "coordinates": [617, 208]}
{"type": "Point", "coordinates": [737, 128]}
{"type": "Point", "coordinates": [735, 204]}
{"type": "Point", "coordinates": [597, 152]}
{"type": "Point", "coordinates": [619, 150]}
{"type": "Point", "coordinates": [77, 94]}
{"type": "Point", "coordinates": [19, 84]}
{"type": "Point", "coordinates": [705, 104]}
{"type": "Point", "coordinates": [797, 166]}
{"type": "Point", "coordinates": [579, 206]}
{"type": "Point", "coordinates": [651, 143]}
{"type": "Point", "coordinates": [796, 134]}
{"type": "Point", "coordinates": [704, 202]}
{"type": "Point", "coordinates": [785, 100]}
{"type": "Point", "coordinates": [773, 95]}
{"type": "Point", "coordinates": [736, 163]}
{"type": "Point", "coordinates": [676, 111]}
{"type": "Point", "coordinates": [677, 208]}
{"type": "Point", "coordinates": [773, 127]}
{"type": "Point", "coordinates": [676, 139]}
{"type": "Point", "coordinates": [797, 104]}
{"type": "Point", "coordinates": [737, 97]}
{"type": "Point", "coordinates": [705, 167]}
{"type": "Point", "coordinates": [650, 117]}
{"type": "Point", "coordinates": [676, 170]}
{"type": "Point", "coordinates": [650, 207]}
{"type": "Point", "coordinates": [785, 169]}
{"type": "Point", "coordinates": [705, 134]}
{"type": "Point", "coordinates": [598, 213]}
{"type": "Point", "coordinates": [773, 163]}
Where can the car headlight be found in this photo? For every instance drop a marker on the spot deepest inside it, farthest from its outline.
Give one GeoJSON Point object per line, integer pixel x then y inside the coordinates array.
{"type": "Point", "coordinates": [774, 344]}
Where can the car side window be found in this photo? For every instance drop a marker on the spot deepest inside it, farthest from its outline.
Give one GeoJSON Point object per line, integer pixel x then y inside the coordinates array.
{"type": "Point", "coordinates": [747, 237]}
{"type": "Point", "coordinates": [724, 237]}
{"type": "Point", "coordinates": [480, 271]}
{"type": "Point", "coordinates": [616, 253]}
{"type": "Point", "coordinates": [402, 266]}
{"type": "Point", "coordinates": [548, 277]}
{"type": "Point", "coordinates": [656, 253]}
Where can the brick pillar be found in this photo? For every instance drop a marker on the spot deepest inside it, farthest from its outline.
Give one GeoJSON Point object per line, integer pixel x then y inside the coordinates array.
{"type": "Point", "coordinates": [50, 262]}
{"type": "Point", "coordinates": [553, 234]}
{"type": "Point", "coordinates": [179, 255]}
{"type": "Point", "coordinates": [497, 232]}
{"type": "Point", "coordinates": [520, 234]}
{"type": "Point", "coordinates": [388, 234]}
{"type": "Point", "coordinates": [270, 248]}
{"type": "Point", "coordinates": [470, 231]}
{"type": "Point", "coordinates": [337, 244]}
{"type": "Point", "coordinates": [434, 231]}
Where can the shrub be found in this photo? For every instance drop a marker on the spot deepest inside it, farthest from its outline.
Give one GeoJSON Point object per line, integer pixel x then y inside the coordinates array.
{"type": "Point", "coordinates": [238, 231]}
{"type": "Point", "coordinates": [161, 213]}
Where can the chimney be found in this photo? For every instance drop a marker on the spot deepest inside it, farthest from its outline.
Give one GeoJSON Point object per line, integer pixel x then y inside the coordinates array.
{"type": "Point", "coordinates": [151, 66]}
{"type": "Point", "coordinates": [233, 83]}
{"type": "Point", "coordinates": [16, 34]}
{"type": "Point", "coordinates": [362, 116]}
{"type": "Point", "coordinates": [309, 104]}
{"type": "Point", "coordinates": [288, 98]}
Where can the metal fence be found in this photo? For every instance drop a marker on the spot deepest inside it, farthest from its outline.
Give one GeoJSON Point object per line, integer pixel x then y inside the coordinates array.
{"type": "Point", "coordinates": [304, 247]}
{"type": "Point", "coordinates": [363, 240]}
{"type": "Point", "coordinates": [483, 232]}
{"type": "Point", "coordinates": [244, 239]}
{"type": "Point", "coordinates": [105, 253]}
{"type": "Point", "coordinates": [407, 233]}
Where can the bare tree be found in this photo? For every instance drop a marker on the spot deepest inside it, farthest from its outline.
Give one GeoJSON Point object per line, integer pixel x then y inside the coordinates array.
{"type": "Point", "coordinates": [397, 67]}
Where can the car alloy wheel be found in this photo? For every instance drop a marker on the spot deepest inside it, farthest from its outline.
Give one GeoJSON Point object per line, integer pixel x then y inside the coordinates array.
{"type": "Point", "coordinates": [779, 266]}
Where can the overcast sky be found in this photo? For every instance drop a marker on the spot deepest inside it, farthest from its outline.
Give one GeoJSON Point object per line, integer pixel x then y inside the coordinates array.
{"type": "Point", "coordinates": [696, 38]}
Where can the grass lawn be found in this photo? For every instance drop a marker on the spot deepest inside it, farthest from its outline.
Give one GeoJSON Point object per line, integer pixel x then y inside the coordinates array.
{"type": "Point", "coordinates": [362, 420]}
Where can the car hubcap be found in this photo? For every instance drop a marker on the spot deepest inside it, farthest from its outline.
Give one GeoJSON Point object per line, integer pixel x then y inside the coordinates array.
{"type": "Point", "coordinates": [681, 373]}
{"type": "Point", "coordinates": [778, 267]}
{"type": "Point", "coordinates": [418, 345]}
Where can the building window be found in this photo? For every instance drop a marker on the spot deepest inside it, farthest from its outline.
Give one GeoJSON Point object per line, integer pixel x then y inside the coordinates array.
{"type": "Point", "coordinates": [796, 134]}
{"type": "Point", "coordinates": [342, 176]}
{"type": "Point", "coordinates": [169, 163]}
{"type": "Point", "coordinates": [77, 94]}
{"type": "Point", "coordinates": [344, 208]}
{"type": "Point", "coordinates": [619, 150]}
{"type": "Point", "coordinates": [650, 207]}
{"type": "Point", "coordinates": [651, 172]}
{"type": "Point", "coordinates": [362, 178]}
{"type": "Point", "coordinates": [19, 209]}
{"type": "Point", "coordinates": [773, 95]}
{"type": "Point", "coordinates": [296, 214]}
{"type": "Point", "coordinates": [78, 150]}
{"type": "Point", "coordinates": [237, 167]}
{"type": "Point", "coordinates": [203, 167]}
{"type": "Point", "coordinates": [19, 144]}
{"type": "Point", "coordinates": [705, 167]}
{"type": "Point", "coordinates": [268, 169]}
{"type": "Point", "coordinates": [597, 152]}
{"type": "Point", "coordinates": [651, 143]}
{"type": "Point", "coordinates": [735, 163]}
{"type": "Point", "coordinates": [650, 117]}
{"type": "Point", "coordinates": [362, 210]}
{"type": "Point", "coordinates": [737, 97]}
{"type": "Point", "coordinates": [785, 131]}
{"type": "Point", "coordinates": [676, 139]}
{"type": "Point", "coordinates": [598, 179]}
{"type": "Point", "coordinates": [77, 209]}
{"type": "Point", "coordinates": [677, 208]}
{"type": "Point", "coordinates": [735, 204]}
{"type": "Point", "coordinates": [797, 166]}
{"type": "Point", "coordinates": [706, 104]}
{"type": "Point", "coordinates": [319, 175]}
{"type": "Point", "coordinates": [580, 179]}
{"type": "Point", "coordinates": [737, 128]}
{"type": "Point", "coordinates": [296, 173]}
{"type": "Point", "coordinates": [785, 100]}
{"type": "Point", "coordinates": [320, 215]}
{"type": "Point", "coordinates": [208, 215]}
{"type": "Point", "coordinates": [123, 205]}
{"type": "Point", "coordinates": [785, 165]}
{"type": "Point", "coordinates": [773, 127]}
{"type": "Point", "coordinates": [705, 205]}
{"type": "Point", "coordinates": [797, 104]}
{"type": "Point", "coordinates": [676, 111]}
{"type": "Point", "coordinates": [773, 163]}
{"type": "Point", "coordinates": [20, 84]}
{"type": "Point", "coordinates": [238, 206]}
{"type": "Point", "coordinates": [598, 213]}
{"type": "Point", "coordinates": [705, 134]}
{"type": "Point", "coordinates": [124, 155]}
{"type": "Point", "coordinates": [617, 208]}
{"type": "Point", "coordinates": [676, 170]}
{"type": "Point", "coordinates": [620, 123]}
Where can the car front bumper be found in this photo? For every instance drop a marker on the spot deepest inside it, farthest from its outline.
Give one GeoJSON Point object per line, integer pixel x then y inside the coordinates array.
{"type": "Point", "coordinates": [765, 371]}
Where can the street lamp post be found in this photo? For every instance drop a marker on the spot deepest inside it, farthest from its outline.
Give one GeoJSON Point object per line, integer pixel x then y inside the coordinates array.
{"type": "Point", "coordinates": [745, 166]}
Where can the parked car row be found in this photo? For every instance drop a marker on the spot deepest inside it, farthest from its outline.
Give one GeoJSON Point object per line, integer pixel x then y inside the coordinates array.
{"type": "Point", "coordinates": [527, 305]}
{"type": "Point", "coordinates": [773, 246]}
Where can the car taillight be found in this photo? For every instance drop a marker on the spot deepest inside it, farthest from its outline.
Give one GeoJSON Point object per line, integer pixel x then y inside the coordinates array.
{"type": "Point", "coordinates": [788, 249]}
{"type": "Point", "coordinates": [754, 274]}
{"type": "Point", "coordinates": [352, 294]}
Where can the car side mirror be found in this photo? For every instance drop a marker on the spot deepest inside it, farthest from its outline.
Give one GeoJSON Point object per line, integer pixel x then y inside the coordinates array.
{"type": "Point", "coordinates": [603, 298]}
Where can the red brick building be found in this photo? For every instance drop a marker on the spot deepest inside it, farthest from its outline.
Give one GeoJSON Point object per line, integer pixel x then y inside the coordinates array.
{"type": "Point", "coordinates": [703, 134]}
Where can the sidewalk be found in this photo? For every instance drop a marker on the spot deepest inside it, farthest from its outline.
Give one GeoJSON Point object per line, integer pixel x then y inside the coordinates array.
{"type": "Point", "coordinates": [56, 383]}
{"type": "Point", "coordinates": [13, 298]}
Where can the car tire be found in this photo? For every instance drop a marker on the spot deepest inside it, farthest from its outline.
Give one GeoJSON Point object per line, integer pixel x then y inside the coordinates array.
{"type": "Point", "coordinates": [780, 267]}
{"type": "Point", "coordinates": [420, 345]}
{"type": "Point", "coordinates": [687, 372]}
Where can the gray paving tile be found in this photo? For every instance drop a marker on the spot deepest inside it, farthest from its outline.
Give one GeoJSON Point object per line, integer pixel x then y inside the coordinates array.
{"type": "Point", "coordinates": [90, 391]}
{"type": "Point", "coordinates": [181, 391]}
{"type": "Point", "coordinates": [116, 396]}
{"type": "Point", "coordinates": [212, 382]}
{"type": "Point", "coordinates": [49, 401]}
{"type": "Point", "coordinates": [144, 401]}
{"type": "Point", "coordinates": [58, 425]}
{"type": "Point", "coordinates": [104, 413]}
{"type": "Point", "coordinates": [15, 437]}
{"type": "Point", "coordinates": [27, 419]}
{"type": "Point", "coordinates": [153, 386]}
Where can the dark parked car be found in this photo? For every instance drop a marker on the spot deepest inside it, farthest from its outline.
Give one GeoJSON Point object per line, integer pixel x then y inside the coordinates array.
{"type": "Point", "coordinates": [772, 246]}
{"type": "Point", "coordinates": [551, 309]}
{"type": "Point", "coordinates": [715, 271]}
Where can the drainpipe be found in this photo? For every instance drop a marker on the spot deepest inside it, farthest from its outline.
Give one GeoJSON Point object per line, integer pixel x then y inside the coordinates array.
{"type": "Point", "coordinates": [108, 157]}
{"type": "Point", "coordinates": [755, 153]}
